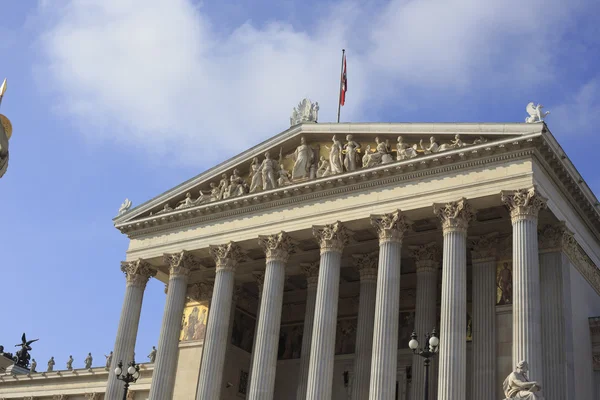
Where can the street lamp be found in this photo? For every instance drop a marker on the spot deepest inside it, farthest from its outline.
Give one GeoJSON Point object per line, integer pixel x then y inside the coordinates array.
{"type": "Point", "coordinates": [131, 375]}
{"type": "Point", "coordinates": [429, 351]}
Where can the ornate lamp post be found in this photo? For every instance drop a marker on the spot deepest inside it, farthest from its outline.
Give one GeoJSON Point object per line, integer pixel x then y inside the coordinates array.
{"type": "Point", "coordinates": [130, 376]}
{"type": "Point", "coordinates": [428, 352]}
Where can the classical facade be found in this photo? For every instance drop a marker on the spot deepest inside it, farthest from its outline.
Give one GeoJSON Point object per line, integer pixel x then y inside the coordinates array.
{"type": "Point", "coordinates": [299, 269]}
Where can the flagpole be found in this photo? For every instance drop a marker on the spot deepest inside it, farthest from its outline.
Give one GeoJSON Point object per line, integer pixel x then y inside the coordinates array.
{"type": "Point", "coordinates": [341, 79]}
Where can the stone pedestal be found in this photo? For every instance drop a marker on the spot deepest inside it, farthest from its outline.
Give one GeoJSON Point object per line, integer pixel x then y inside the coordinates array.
{"type": "Point", "coordinates": [215, 343]}
{"type": "Point", "coordinates": [367, 268]}
{"type": "Point", "coordinates": [427, 260]}
{"type": "Point", "coordinates": [277, 249]}
{"type": "Point", "coordinates": [311, 270]}
{"type": "Point", "coordinates": [163, 378]}
{"type": "Point", "coordinates": [524, 207]}
{"type": "Point", "coordinates": [455, 217]}
{"type": "Point", "coordinates": [390, 229]}
{"type": "Point", "coordinates": [332, 239]}
{"type": "Point", "coordinates": [137, 274]}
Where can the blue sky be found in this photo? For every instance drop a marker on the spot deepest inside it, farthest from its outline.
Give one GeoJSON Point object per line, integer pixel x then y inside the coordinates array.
{"type": "Point", "coordinates": [127, 98]}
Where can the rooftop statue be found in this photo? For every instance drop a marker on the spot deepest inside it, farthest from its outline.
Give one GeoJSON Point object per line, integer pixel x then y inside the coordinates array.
{"type": "Point", "coordinates": [125, 207]}
{"type": "Point", "coordinates": [22, 356]}
{"type": "Point", "coordinates": [88, 361]}
{"type": "Point", "coordinates": [306, 111]}
{"type": "Point", "coordinates": [535, 113]}
{"type": "Point", "coordinates": [70, 363]}
{"type": "Point", "coordinates": [51, 364]}
{"type": "Point", "coordinates": [517, 385]}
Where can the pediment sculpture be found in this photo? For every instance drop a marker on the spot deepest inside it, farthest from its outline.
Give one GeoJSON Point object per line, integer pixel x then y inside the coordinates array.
{"type": "Point", "coordinates": [535, 113]}
{"type": "Point", "coordinates": [517, 385]}
{"type": "Point", "coordinates": [306, 111]}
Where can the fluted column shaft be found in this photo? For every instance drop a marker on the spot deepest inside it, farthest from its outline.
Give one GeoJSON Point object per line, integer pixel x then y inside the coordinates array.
{"type": "Point", "coordinates": [277, 248]}
{"type": "Point", "coordinates": [215, 342]}
{"type": "Point", "coordinates": [311, 271]}
{"type": "Point", "coordinates": [524, 206]}
{"type": "Point", "coordinates": [332, 239]}
{"type": "Point", "coordinates": [427, 263]}
{"type": "Point", "coordinates": [367, 267]}
{"type": "Point", "coordinates": [163, 378]}
{"type": "Point", "coordinates": [137, 274]}
{"type": "Point", "coordinates": [453, 330]}
{"type": "Point", "coordinates": [390, 229]}
{"type": "Point", "coordinates": [260, 280]}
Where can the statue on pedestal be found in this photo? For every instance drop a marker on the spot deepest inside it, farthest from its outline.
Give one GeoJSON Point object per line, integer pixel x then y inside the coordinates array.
{"type": "Point", "coordinates": [33, 366]}
{"type": "Point", "coordinates": [152, 355]}
{"type": "Point", "coordinates": [51, 364]}
{"type": "Point", "coordinates": [22, 356]}
{"type": "Point", "coordinates": [303, 159]}
{"type": "Point", "coordinates": [518, 387]}
{"type": "Point", "coordinates": [70, 363]}
{"type": "Point", "coordinates": [88, 361]}
{"type": "Point", "coordinates": [535, 113]}
{"type": "Point", "coordinates": [108, 360]}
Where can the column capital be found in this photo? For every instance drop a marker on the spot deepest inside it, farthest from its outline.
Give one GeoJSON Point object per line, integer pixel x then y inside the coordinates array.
{"type": "Point", "coordinates": [332, 237]}
{"type": "Point", "coordinates": [227, 256]}
{"type": "Point", "coordinates": [311, 271]}
{"type": "Point", "coordinates": [483, 248]}
{"type": "Point", "coordinates": [137, 272]}
{"type": "Point", "coordinates": [366, 265]}
{"type": "Point", "coordinates": [555, 237]}
{"type": "Point", "coordinates": [180, 264]}
{"type": "Point", "coordinates": [390, 227]}
{"type": "Point", "coordinates": [277, 247]}
{"type": "Point", "coordinates": [455, 215]}
{"type": "Point", "coordinates": [427, 256]}
{"type": "Point", "coordinates": [200, 291]}
{"type": "Point", "coordinates": [523, 203]}
{"type": "Point", "coordinates": [259, 276]}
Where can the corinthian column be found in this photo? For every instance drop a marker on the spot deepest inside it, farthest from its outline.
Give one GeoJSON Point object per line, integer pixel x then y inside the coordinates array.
{"type": "Point", "coordinates": [215, 343]}
{"type": "Point", "coordinates": [332, 240]}
{"type": "Point", "coordinates": [524, 206]}
{"type": "Point", "coordinates": [311, 270]}
{"type": "Point", "coordinates": [427, 260]}
{"type": "Point", "coordinates": [390, 229]}
{"type": "Point", "coordinates": [367, 268]}
{"type": "Point", "coordinates": [277, 249]}
{"type": "Point", "coordinates": [452, 377]}
{"type": "Point", "coordinates": [137, 274]}
{"type": "Point", "coordinates": [483, 256]}
{"type": "Point", "coordinates": [260, 280]}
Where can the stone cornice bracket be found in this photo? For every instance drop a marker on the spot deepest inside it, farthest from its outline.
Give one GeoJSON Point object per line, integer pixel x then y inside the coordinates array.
{"type": "Point", "coordinates": [259, 276]}
{"type": "Point", "coordinates": [277, 247]}
{"type": "Point", "coordinates": [227, 256]}
{"type": "Point", "coordinates": [556, 237]}
{"type": "Point", "coordinates": [484, 248]}
{"type": "Point", "coordinates": [523, 203]}
{"type": "Point", "coordinates": [137, 272]}
{"type": "Point", "coordinates": [391, 227]}
{"type": "Point", "coordinates": [427, 256]}
{"type": "Point", "coordinates": [455, 215]}
{"type": "Point", "coordinates": [181, 264]}
{"type": "Point", "coordinates": [332, 237]}
{"type": "Point", "coordinates": [200, 291]}
{"type": "Point", "coordinates": [367, 265]}
{"type": "Point", "coordinates": [311, 271]}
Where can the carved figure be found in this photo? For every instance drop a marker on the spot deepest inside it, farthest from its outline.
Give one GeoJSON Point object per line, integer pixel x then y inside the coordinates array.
{"type": "Point", "coordinates": [303, 159]}
{"type": "Point", "coordinates": [223, 187]}
{"type": "Point", "coordinates": [314, 112]}
{"type": "Point", "coordinates": [5, 354]}
{"type": "Point", "coordinates": [268, 167]}
{"type": "Point", "coordinates": [51, 364]}
{"type": "Point", "coordinates": [517, 385]}
{"type": "Point", "coordinates": [381, 154]}
{"type": "Point", "coordinates": [480, 140]}
{"type": "Point", "coordinates": [202, 198]}
{"type": "Point", "coordinates": [314, 165]}
{"type": "Point", "coordinates": [336, 158]}
{"type": "Point", "coordinates": [366, 159]}
{"type": "Point", "coordinates": [351, 149]}
{"type": "Point", "coordinates": [108, 360]}
{"type": "Point", "coordinates": [33, 366]}
{"type": "Point", "coordinates": [255, 176]}
{"type": "Point", "coordinates": [284, 177]}
{"type": "Point", "coordinates": [88, 361]}
{"type": "Point", "coordinates": [306, 111]}
{"type": "Point", "coordinates": [535, 113]}
{"type": "Point", "coordinates": [237, 185]}
{"type": "Point", "coordinates": [215, 192]}
{"type": "Point", "coordinates": [505, 284]}
{"type": "Point", "coordinates": [152, 355]}
{"type": "Point", "coordinates": [70, 363]}
{"type": "Point", "coordinates": [457, 142]}
{"type": "Point", "coordinates": [22, 356]}
{"type": "Point", "coordinates": [324, 168]}
{"type": "Point", "coordinates": [185, 203]}
{"type": "Point", "coordinates": [434, 147]}
{"type": "Point", "coordinates": [167, 208]}
{"type": "Point", "coordinates": [125, 207]}
{"type": "Point", "coordinates": [405, 151]}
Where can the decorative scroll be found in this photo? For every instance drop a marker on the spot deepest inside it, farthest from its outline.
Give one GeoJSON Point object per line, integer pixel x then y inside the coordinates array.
{"type": "Point", "coordinates": [227, 256]}
{"type": "Point", "coordinates": [277, 247]}
{"type": "Point", "coordinates": [137, 272]}
{"type": "Point", "coordinates": [332, 237]}
{"type": "Point", "coordinates": [455, 215]}
{"type": "Point", "coordinates": [523, 203]}
{"type": "Point", "coordinates": [391, 227]}
{"type": "Point", "coordinates": [180, 264]}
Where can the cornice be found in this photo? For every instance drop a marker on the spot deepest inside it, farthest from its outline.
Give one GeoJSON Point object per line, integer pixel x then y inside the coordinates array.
{"type": "Point", "coordinates": [382, 175]}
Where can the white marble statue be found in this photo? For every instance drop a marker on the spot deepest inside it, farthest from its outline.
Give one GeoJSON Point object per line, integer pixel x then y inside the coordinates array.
{"type": "Point", "coordinates": [215, 192]}
{"type": "Point", "coordinates": [185, 203]}
{"type": "Point", "coordinates": [404, 150]}
{"type": "Point", "coordinates": [125, 207]}
{"type": "Point", "coordinates": [51, 364]}
{"type": "Point", "coordinates": [88, 361]}
{"type": "Point", "coordinates": [303, 159]}
{"type": "Point", "coordinates": [237, 185]}
{"type": "Point", "coordinates": [366, 158]}
{"type": "Point", "coordinates": [167, 208]}
{"type": "Point", "coordinates": [351, 149]}
{"type": "Point", "coordinates": [255, 176]}
{"type": "Point", "coordinates": [108, 360]}
{"type": "Point", "coordinates": [535, 113]}
{"type": "Point", "coordinates": [434, 147]}
{"type": "Point", "coordinates": [70, 363]}
{"type": "Point", "coordinates": [381, 154]}
{"type": "Point", "coordinates": [336, 158]}
{"type": "Point", "coordinates": [152, 355]}
{"type": "Point", "coordinates": [324, 168]}
{"type": "Point", "coordinates": [33, 366]}
{"type": "Point", "coordinates": [517, 385]}
{"type": "Point", "coordinates": [284, 176]}
{"type": "Point", "coordinates": [223, 187]}
{"type": "Point", "coordinates": [306, 111]}
{"type": "Point", "coordinates": [268, 169]}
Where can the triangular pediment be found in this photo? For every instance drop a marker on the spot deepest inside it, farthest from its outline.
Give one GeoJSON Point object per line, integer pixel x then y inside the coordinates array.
{"type": "Point", "coordinates": [293, 163]}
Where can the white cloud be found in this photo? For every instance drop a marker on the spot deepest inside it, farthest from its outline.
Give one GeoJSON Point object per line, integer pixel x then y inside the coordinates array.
{"type": "Point", "coordinates": [155, 75]}
{"type": "Point", "coordinates": [580, 114]}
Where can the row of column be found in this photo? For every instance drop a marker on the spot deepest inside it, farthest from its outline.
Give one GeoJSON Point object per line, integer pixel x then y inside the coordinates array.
{"type": "Point", "coordinates": [377, 338]}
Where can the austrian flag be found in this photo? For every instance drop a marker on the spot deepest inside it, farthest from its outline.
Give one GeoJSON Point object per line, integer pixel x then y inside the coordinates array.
{"type": "Point", "coordinates": [344, 84]}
